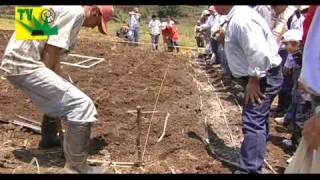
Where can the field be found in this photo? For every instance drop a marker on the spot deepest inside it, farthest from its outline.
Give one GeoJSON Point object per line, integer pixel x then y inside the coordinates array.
{"type": "Point", "coordinates": [185, 24]}
{"type": "Point", "coordinates": [203, 132]}
{"type": "Point", "coordinates": [131, 77]}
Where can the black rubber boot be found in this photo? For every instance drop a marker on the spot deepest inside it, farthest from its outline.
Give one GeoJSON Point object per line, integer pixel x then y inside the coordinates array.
{"type": "Point", "coordinates": [76, 148]}
{"type": "Point", "coordinates": [49, 130]}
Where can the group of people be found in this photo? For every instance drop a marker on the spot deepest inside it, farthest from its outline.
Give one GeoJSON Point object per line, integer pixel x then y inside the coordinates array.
{"type": "Point", "coordinates": [206, 36]}
{"type": "Point", "coordinates": [259, 46]}
{"type": "Point", "coordinates": [270, 51]}
{"type": "Point", "coordinates": [167, 29]}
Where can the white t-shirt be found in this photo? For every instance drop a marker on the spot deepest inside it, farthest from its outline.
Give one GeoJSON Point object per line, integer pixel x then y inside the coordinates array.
{"type": "Point", "coordinates": [154, 26]}
{"type": "Point", "coordinates": [25, 56]}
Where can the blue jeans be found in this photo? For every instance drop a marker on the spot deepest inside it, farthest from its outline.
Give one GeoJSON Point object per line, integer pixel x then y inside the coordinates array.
{"type": "Point", "coordinates": [255, 123]}
{"type": "Point", "coordinates": [134, 35]}
{"type": "Point", "coordinates": [286, 88]}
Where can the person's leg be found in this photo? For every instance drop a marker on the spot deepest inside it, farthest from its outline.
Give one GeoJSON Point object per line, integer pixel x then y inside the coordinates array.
{"type": "Point", "coordinates": [131, 36]}
{"type": "Point", "coordinates": [136, 36]}
{"type": "Point", "coordinates": [49, 130]}
{"type": "Point", "coordinates": [157, 41]}
{"type": "Point", "coordinates": [208, 49]}
{"type": "Point", "coordinates": [153, 41]}
{"type": "Point", "coordinates": [201, 42]}
{"type": "Point", "coordinates": [214, 50]}
{"type": "Point", "coordinates": [255, 124]}
{"type": "Point", "coordinates": [284, 96]}
{"type": "Point", "coordinates": [170, 45]}
{"type": "Point", "coordinates": [198, 41]}
{"type": "Point", "coordinates": [176, 45]}
{"type": "Point", "coordinates": [255, 129]}
{"type": "Point", "coordinates": [58, 98]}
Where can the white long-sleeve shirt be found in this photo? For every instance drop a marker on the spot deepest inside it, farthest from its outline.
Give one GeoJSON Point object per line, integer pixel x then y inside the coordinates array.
{"type": "Point", "coordinates": [154, 26]}
{"type": "Point", "coordinates": [250, 47]}
{"type": "Point", "coordinates": [310, 72]}
{"type": "Point", "coordinates": [211, 21]}
{"type": "Point", "coordinates": [134, 20]}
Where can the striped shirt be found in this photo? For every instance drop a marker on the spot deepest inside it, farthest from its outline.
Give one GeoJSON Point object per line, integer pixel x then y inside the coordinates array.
{"type": "Point", "coordinates": [25, 56]}
{"type": "Point", "coordinates": [276, 22]}
{"type": "Point", "coordinates": [280, 22]}
{"type": "Point", "coordinates": [250, 47]}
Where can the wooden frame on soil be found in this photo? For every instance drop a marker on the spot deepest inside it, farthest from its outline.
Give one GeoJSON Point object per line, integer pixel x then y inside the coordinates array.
{"type": "Point", "coordinates": [87, 59]}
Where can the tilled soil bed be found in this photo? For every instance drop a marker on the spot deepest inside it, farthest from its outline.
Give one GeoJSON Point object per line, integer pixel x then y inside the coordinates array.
{"type": "Point", "coordinates": [128, 77]}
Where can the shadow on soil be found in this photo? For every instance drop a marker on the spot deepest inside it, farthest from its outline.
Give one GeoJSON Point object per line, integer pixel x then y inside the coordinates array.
{"type": "Point", "coordinates": [219, 150]}
{"type": "Point", "coordinates": [54, 157]}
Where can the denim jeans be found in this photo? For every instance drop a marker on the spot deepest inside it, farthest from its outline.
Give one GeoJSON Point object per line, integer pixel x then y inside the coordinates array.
{"type": "Point", "coordinates": [155, 41]}
{"type": "Point", "coordinates": [256, 123]}
{"type": "Point", "coordinates": [134, 35]}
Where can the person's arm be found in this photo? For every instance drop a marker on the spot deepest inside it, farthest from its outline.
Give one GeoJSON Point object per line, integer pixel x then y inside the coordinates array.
{"type": "Point", "coordinates": [281, 23]}
{"type": "Point", "coordinates": [50, 57]}
{"type": "Point", "coordinates": [149, 26]}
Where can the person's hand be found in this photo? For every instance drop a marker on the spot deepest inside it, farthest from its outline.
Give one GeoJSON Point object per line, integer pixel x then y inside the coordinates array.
{"type": "Point", "coordinates": [219, 34]}
{"type": "Point", "coordinates": [301, 87]}
{"type": "Point", "coordinates": [222, 35]}
{"type": "Point", "coordinates": [287, 71]}
{"type": "Point", "coordinates": [254, 93]}
{"type": "Point", "coordinates": [311, 132]}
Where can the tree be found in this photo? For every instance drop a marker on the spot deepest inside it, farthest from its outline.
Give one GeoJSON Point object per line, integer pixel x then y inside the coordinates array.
{"type": "Point", "coordinates": [172, 11]}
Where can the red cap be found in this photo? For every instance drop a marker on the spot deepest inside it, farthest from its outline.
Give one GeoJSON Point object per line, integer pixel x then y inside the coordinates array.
{"type": "Point", "coordinates": [211, 8]}
{"type": "Point", "coordinates": [107, 12]}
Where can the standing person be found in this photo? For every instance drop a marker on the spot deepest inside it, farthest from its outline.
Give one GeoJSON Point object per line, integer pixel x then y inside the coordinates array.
{"type": "Point", "coordinates": [154, 27]}
{"type": "Point", "coordinates": [173, 35]}
{"type": "Point", "coordinates": [300, 108]}
{"type": "Point", "coordinates": [204, 28]}
{"type": "Point", "coordinates": [34, 67]}
{"type": "Point", "coordinates": [295, 22]}
{"type": "Point", "coordinates": [134, 25]}
{"type": "Point", "coordinates": [252, 55]}
{"type": "Point", "coordinates": [211, 45]}
{"type": "Point", "coordinates": [198, 34]}
{"type": "Point", "coordinates": [307, 157]}
{"type": "Point", "coordinates": [277, 17]}
{"type": "Point", "coordinates": [165, 34]}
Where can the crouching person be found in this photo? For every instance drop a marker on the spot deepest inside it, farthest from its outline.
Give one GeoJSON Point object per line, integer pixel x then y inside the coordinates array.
{"type": "Point", "coordinates": [33, 66]}
{"type": "Point", "coordinates": [252, 55]}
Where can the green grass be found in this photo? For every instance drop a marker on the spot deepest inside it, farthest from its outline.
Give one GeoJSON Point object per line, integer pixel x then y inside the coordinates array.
{"type": "Point", "coordinates": [7, 24]}
{"type": "Point", "coordinates": [185, 30]}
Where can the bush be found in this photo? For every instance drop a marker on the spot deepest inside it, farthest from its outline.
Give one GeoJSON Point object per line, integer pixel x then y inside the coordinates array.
{"type": "Point", "coordinates": [172, 11]}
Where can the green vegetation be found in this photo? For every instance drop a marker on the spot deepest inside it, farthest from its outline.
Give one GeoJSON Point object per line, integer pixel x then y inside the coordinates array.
{"type": "Point", "coordinates": [185, 19]}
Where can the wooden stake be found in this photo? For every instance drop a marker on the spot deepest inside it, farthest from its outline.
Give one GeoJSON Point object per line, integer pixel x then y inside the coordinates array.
{"type": "Point", "coordinates": [143, 112]}
{"type": "Point", "coordinates": [138, 140]}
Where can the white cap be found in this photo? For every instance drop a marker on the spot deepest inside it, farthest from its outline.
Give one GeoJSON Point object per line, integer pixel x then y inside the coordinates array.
{"type": "Point", "coordinates": [292, 35]}
{"type": "Point", "coordinates": [205, 12]}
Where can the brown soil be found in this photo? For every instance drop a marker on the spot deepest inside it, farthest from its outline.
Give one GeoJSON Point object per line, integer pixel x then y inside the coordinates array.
{"type": "Point", "coordinates": [130, 76]}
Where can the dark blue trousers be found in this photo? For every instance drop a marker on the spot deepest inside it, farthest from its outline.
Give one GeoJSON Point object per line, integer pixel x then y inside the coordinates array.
{"type": "Point", "coordinates": [286, 88]}
{"type": "Point", "coordinates": [255, 123]}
